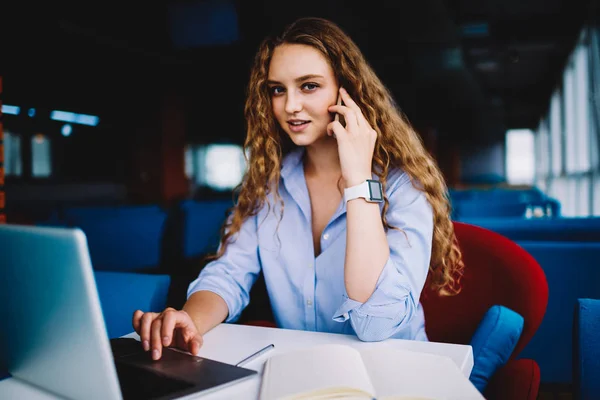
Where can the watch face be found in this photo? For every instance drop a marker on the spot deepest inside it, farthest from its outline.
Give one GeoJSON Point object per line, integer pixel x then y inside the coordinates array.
{"type": "Point", "coordinates": [375, 189]}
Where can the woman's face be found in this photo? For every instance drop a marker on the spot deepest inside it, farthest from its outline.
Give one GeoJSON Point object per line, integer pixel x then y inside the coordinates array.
{"type": "Point", "coordinates": [302, 87]}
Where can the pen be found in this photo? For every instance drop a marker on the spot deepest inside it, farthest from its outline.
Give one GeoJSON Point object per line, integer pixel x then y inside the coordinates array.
{"type": "Point", "coordinates": [255, 355]}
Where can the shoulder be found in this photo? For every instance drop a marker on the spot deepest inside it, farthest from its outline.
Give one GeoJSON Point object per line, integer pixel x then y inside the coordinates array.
{"type": "Point", "coordinates": [399, 180]}
{"type": "Point", "coordinates": [402, 189]}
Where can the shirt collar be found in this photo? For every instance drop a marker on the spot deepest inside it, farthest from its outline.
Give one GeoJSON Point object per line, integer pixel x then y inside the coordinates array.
{"type": "Point", "coordinates": [291, 162]}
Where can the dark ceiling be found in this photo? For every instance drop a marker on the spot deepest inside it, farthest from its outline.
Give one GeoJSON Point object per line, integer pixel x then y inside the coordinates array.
{"type": "Point", "coordinates": [469, 68]}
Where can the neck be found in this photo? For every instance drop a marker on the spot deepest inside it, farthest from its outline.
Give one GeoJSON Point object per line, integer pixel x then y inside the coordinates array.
{"type": "Point", "coordinates": [322, 160]}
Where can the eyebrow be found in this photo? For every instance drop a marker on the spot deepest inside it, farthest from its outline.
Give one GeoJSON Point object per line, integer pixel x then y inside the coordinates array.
{"type": "Point", "coordinates": [300, 79]}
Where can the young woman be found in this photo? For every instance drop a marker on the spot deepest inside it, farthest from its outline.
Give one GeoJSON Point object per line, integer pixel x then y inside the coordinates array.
{"type": "Point", "coordinates": [346, 217]}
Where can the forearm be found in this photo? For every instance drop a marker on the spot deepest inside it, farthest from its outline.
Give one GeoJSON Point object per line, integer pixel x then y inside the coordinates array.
{"type": "Point", "coordinates": [367, 249]}
{"type": "Point", "coordinates": [206, 309]}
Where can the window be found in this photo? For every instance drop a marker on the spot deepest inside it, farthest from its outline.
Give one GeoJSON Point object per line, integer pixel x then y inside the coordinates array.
{"type": "Point", "coordinates": [13, 164]}
{"type": "Point", "coordinates": [564, 190]}
{"type": "Point", "coordinates": [570, 126]}
{"type": "Point", "coordinates": [582, 114]}
{"type": "Point", "coordinates": [542, 155]}
{"type": "Point", "coordinates": [596, 197]}
{"type": "Point", "coordinates": [189, 162]}
{"type": "Point", "coordinates": [40, 156]}
{"type": "Point", "coordinates": [520, 157]}
{"type": "Point", "coordinates": [583, 196]}
{"type": "Point", "coordinates": [218, 166]}
{"type": "Point", "coordinates": [572, 177]}
{"type": "Point", "coordinates": [556, 134]}
{"type": "Point", "coordinates": [223, 166]}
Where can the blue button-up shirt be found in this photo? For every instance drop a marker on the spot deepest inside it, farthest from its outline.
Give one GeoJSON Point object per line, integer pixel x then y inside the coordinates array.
{"type": "Point", "coordinates": [308, 293]}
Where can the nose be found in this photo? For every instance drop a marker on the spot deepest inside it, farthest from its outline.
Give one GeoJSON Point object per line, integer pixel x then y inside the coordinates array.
{"type": "Point", "coordinates": [293, 103]}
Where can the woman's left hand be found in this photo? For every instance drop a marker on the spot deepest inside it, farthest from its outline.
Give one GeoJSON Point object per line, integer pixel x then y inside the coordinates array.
{"type": "Point", "coordinates": [356, 141]}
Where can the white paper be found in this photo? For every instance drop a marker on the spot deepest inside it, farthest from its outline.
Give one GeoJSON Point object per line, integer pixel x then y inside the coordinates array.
{"type": "Point", "coordinates": [323, 371]}
{"type": "Point", "coordinates": [402, 374]}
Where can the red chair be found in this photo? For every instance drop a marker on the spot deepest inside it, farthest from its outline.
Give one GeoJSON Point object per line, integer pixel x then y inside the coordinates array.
{"type": "Point", "coordinates": [497, 272]}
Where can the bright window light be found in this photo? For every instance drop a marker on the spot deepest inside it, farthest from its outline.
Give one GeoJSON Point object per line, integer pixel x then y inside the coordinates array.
{"type": "Point", "coordinates": [520, 157]}
{"type": "Point", "coordinates": [40, 156]}
{"type": "Point", "coordinates": [66, 130]}
{"type": "Point", "coordinates": [82, 119]}
{"type": "Point", "coordinates": [189, 162]}
{"type": "Point", "coordinates": [13, 110]}
{"type": "Point", "coordinates": [13, 164]}
{"type": "Point", "coordinates": [222, 166]}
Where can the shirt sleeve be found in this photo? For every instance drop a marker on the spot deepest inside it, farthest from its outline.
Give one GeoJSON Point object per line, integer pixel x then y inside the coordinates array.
{"type": "Point", "coordinates": [395, 299]}
{"type": "Point", "coordinates": [233, 275]}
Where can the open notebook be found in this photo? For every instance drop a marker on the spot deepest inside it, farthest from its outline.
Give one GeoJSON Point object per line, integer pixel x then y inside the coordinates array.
{"type": "Point", "coordinates": [379, 371]}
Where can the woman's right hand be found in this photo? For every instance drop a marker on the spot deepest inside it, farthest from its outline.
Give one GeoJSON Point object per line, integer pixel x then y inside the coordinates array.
{"type": "Point", "coordinates": [169, 328]}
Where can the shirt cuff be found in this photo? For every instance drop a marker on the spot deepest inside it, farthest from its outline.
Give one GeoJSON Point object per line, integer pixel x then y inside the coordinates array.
{"type": "Point", "coordinates": [390, 288]}
{"type": "Point", "coordinates": [343, 313]}
{"type": "Point", "coordinates": [232, 314]}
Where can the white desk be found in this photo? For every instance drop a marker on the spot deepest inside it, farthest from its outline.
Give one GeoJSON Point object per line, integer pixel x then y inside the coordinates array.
{"type": "Point", "coordinates": [231, 343]}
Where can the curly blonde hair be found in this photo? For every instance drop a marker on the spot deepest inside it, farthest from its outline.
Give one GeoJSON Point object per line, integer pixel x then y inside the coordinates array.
{"type": "Point", "coordinates": [397, 145]}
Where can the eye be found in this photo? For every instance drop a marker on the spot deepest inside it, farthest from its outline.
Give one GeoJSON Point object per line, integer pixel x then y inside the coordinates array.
{"type": "Point", "coordinates": [310, 86]}
{"type": "Point", "coordinates": [276, 90]}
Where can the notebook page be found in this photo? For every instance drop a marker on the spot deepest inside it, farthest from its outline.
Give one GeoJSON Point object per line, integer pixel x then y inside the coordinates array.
{"type": "Point", "coordinates": [400, 374]}
{"type": "Point", "coordinates": [321, 371]}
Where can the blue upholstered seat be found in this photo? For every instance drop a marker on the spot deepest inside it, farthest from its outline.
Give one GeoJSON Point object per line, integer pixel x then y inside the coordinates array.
{"type": "Point", "coordinates": [121, 293]}
{"type": "Point", "coordinates": [586, 349]}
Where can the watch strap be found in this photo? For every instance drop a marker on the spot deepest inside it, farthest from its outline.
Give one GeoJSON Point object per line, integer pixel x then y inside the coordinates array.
{"type": "Point", "coordinates": [372, 194]}
{"type": "Point", "coordinates": [357, 191]}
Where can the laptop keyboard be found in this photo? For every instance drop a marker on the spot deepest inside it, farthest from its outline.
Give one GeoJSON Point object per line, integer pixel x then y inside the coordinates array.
{"type": "Point", "coordinates": [139, 383]}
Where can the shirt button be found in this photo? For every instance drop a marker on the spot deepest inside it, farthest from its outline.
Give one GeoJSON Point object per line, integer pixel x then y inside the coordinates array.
{"type": "Point", "coordinates": [309, 302]}
{"type": "Point", "coordinates": [326, 236]}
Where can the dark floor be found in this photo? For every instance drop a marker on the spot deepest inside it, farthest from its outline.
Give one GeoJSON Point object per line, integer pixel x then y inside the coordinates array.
{"type": "Point", "coordinates": [555, 391]}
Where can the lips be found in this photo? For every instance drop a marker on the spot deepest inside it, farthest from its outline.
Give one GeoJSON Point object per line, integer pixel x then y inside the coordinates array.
{"type": "Point", "coordinates": [297, 122]}
{"type": "Point", "coordinates": [298, 125]}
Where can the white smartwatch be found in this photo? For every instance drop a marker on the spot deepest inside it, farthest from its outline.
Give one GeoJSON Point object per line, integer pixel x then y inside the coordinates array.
{"type": "Point", "coordinates": [370, 190]}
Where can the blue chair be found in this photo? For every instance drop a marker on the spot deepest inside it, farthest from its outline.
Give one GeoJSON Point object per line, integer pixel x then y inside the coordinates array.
{"type": "Point", "coordinates": [572, 272]}
{"type": "Point", "coordinates": [202, 225]}
{"type": "Point", "coordinates": [120, 238]}
{"type": "Point", "coordinates": [121, 293]}
{"type": "Point", "coordinates": [577, 229]}
{"type": "Point", "coordinates": [586, 349]}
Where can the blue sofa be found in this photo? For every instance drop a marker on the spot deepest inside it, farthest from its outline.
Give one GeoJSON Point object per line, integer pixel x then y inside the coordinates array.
{"type": "Point", "coordinates": [121, 293]}
{"type": "Point", "coordinates": [202, 225]}
{"type": "Point", "coordinates": [542, 229]}
{"type": "Point", "coordinates": [572, 272]}
{"type": "Point", "coordinates": [120, 238]}
{"type": "Point", "coordinates": [586, 349]}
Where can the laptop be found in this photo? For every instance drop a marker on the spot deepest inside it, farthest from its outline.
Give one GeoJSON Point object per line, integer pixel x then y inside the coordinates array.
{"type": "Point", "coordinates": [53, 335]}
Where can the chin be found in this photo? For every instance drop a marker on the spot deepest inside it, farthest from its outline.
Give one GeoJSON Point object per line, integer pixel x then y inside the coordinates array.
{"type": "Point", "coordinates": [304, 140]}
{"type": "Point", "coordinates": [301, 143]}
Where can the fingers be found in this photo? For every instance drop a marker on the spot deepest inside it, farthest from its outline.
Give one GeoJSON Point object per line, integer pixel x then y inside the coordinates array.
{"type": "Point", "coordinates": [349, 115]}
{"type": "Point", "coordinates": [167, 329]}
{"type": "Point", "coordinates": [170, 318]}
{"type": "Point", "coordinates": [156, 340]}
{"type": "Point", "coordinates": [194, 344]}
{"type": "Point", "coordinates": [136, 320]}
{"type": "Point", "coordinates": [349, 102]}
{"type": "Point", "coordinates": [336, 129]}
{"type": "Point", "coordinates": [192, 338]}
{"type": "Point", "coordinates": [145, 329]}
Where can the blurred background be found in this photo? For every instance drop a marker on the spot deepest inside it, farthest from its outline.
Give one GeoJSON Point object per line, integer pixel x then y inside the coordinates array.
{"type": "Point", "coordinates": [139, 102]}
